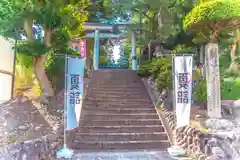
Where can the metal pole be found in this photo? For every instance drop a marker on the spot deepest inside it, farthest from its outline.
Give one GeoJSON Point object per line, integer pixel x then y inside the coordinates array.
{"type": "Point", "coordinates": [14, 68]}
{"type": "Point", "coordinates": [173, 95]}
{"type": "Point", "coordinates": [65, 102]}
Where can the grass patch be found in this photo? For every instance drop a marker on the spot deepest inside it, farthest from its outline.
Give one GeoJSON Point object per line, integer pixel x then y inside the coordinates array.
{"type": "Point", "coordinates": [231, 89]}
{"type": "Point", "coordinates": [24, 78]}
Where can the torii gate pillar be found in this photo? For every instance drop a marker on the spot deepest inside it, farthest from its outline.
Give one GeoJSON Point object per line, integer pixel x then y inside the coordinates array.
{"type": "Point", "coordinates": [134, 57]}
{"type": "Point", "coordinates": [96, 50]}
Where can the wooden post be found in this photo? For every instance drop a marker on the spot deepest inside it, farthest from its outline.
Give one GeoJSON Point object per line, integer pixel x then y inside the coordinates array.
{"type": "Point", "coordinates": [213, 80]}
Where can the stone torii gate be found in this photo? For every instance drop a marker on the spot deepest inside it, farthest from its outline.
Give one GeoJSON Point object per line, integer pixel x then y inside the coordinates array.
{"type": "Point", "coordinates": [100, 31]}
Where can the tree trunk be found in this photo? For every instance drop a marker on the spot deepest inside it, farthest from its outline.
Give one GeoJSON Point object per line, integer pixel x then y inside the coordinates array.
{"type": "Point", "coordinates": [233, 52]}
{"type": "Point", "coordinates": [28, 23]}
{"type": "Point", "coordinates": [41, 76]}
{"type": "Point", "coordinates": [39, 61]}
{"type": "Point", "coordinates": [233, 68]}
{"type": "Point", "coordinates": [46, 86]}
{"type": "Point", "coordinates": [238, 40]}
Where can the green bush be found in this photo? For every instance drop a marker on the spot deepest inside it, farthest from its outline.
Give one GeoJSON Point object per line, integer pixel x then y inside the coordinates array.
{"type": "Point", "coordinates": [23, 72]}
{"type": "Point", "coordinates": [182, 49]}
{"type": "Point", "coordinates": [162, 72]}
{"type": "Point", "coordinates": [200, 91]}
{"type": "Point", "coordinates": [103, 60]}
{"type": "Point", "coordinates": [55, 68]}
{"type": "Point", "coordinates": [144, 70]}
{"type": "Point", "coordinates": [160, 69]}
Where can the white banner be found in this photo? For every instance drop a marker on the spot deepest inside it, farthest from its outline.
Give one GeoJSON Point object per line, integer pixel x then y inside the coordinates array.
{"type": "Point", "coordinates": [183, 88]}
{"type": "Point", "coordinates": [74, 89]}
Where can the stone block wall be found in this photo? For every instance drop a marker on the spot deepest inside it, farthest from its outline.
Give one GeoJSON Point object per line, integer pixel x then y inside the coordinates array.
{"type": "Point", "coordinates": [199, 145]}
{"type": "Point", "coordinates": [187, 137]}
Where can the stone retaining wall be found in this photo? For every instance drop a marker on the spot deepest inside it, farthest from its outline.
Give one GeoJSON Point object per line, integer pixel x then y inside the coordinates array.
{"type": "Point", "coordinates": [200, 146]}
{"type": "Point", "coordinates": [187, 137]}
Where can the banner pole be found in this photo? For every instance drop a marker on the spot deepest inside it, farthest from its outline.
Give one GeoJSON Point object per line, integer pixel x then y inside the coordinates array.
{"type": "Point", "coordinates": [65, 102]}
{"type": "Point", "coordinates": [65, 152]}
{"type": "Point", "coordinates": [174, 98]}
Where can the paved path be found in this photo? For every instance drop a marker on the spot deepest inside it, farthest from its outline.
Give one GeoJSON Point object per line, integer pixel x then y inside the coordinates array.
{"type": "Point", "coordinates": [138, 155]}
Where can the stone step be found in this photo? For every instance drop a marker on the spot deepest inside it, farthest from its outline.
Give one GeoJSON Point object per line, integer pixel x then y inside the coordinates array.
{"type": "Point", "coordinates": [119, 116]}
{"type": "Point", "coordinates": [104, 76]}
{"type": "Point", "coordinates": [119, 100]}
{"type": "Point", "coordinates": [117, 88]}
{"type": "Point", "coordinates": [117, 96]}
{"type": "Point", "coordinates": [117, 82]}
{"type": "Point", "coordinates": [115, 102]}
{"type": "Point", "coordinates": [119, 110]}
{"type": "Point", "coordinates": [117, 74]}
{"type": "Point", "coordinates": [118, 93]}
{"type": "Point", "coordinates": [121, 122]}
{"type": "Point", "coordinates": [123, 145]}
{"type": "Point", "coordinates": [90, 105]}
{"type": "Point", "coordinates": [121, 129]}
{"type": "Point", "coordinates": [120, 136]}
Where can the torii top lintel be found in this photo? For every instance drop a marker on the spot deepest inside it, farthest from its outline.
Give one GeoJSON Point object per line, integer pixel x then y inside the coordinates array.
{"type": "Point", "coordinates": [106, 30]}
{"type": "Point", "coordinates": [103, 27]}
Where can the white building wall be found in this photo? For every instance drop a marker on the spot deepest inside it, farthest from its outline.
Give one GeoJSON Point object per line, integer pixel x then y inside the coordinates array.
{"type": "Point", "coordinates": [6, 64]}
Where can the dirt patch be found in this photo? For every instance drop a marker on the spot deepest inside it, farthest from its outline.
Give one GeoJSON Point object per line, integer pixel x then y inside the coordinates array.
{"type": "Point", "coordinates": [21, 121]}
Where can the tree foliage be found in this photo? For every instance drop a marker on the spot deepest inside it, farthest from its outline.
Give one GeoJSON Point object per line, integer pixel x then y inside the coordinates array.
{"type": "Point", "coordinates": [63, 19]}
{"type": "Point", "coordinates": [107, 11]}
{"type": "Point", "coordinates": [161, 20]}
{"type": "Point", "coordinates": [58, 22]}
{"type": "Point", "coordinates": [213, 17]}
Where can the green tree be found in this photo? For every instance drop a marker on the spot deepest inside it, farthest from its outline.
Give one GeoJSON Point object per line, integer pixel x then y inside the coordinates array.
{"type": "Point", "coordinates": [210, 19]}
{"type": "Point", "coordinates": [161, 20]}
{"type": "Point", "coordinates": [60, 20]}
{"type": "Point", "coordinates": [213, 17]}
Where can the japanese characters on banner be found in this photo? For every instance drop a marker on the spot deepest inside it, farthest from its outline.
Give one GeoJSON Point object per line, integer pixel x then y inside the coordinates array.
{"type": "Point", "coordinates": [74, 90]}
{"type": "Point", "coordinates": [183, 88]}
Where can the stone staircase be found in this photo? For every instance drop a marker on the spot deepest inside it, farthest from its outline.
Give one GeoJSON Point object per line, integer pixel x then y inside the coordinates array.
{"type": "Point", "coordinates": [118, 114]}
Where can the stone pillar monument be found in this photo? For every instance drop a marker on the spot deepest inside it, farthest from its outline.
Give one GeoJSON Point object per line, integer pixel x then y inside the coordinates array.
{"type": "Point", "coordinates": [213, 80]}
